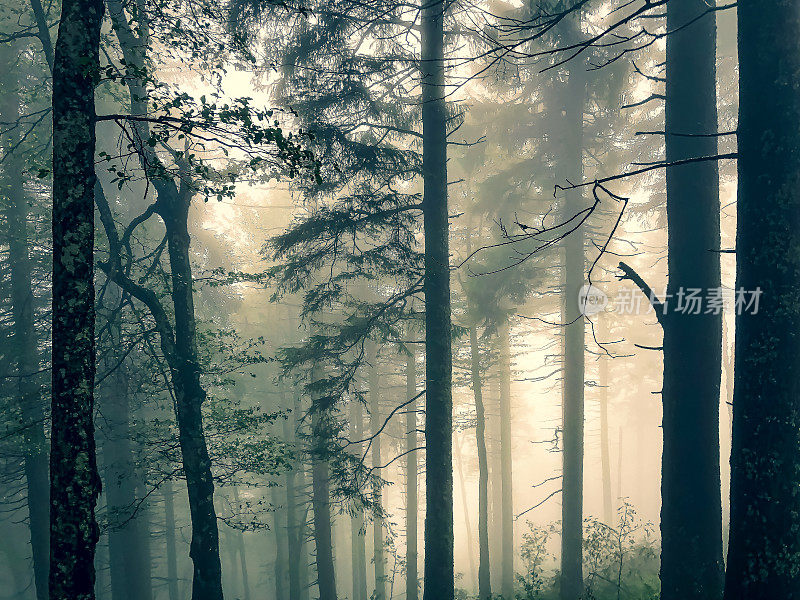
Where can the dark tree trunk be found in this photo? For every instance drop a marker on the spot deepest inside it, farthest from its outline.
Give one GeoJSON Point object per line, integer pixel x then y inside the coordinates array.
{"type": "Point", "coordinates": [321, 505]}
{"type": "Point", "coordinates": [412, 558]}
{"type": "Point", "coordinates": [764, 550]}
{"type": "Point", "coordinates": [189, 397]}
{"type": "Point", "coordinates": [691, 511]}
{"type": "Point", "coordinates": [28, 392]}
{"type": "Point", "coordinates": [439, 568]}
{"type": "Point", "coordinates": [484, 575]}
{"type": "Point", "coordinates": [180, 347]}
{"type": "Point", "coordinates": [74, 481]}
{"type": "Point", "coordinates": [506, 500]}
{"type": "Point", "coordinates": [574, 330]}
{"type": "Point", "coordinates": [379, 558]}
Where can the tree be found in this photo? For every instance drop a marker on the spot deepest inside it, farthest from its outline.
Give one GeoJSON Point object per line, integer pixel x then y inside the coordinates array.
{"type": "Point", "coordinates": [439, 568]}
{"type": "Point", "coordinates": [74, 480]}
{"type": "Point", "coordinates": [412, 557]}
{"type": "Point", "coordinates": [574, 331]}
{"type": "Point", "coordinates": [764, 550]}
{"type": "Point", "coordinates": [691, 511]}
{"type": "Point", "coordinates": [28, 390]}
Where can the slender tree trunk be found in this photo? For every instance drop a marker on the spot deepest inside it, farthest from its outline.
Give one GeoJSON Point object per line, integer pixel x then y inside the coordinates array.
{"type": "Point", "coordinates": [357, 529]}
{"type": "Point", "coordinates": [764, 550]}
{"type": "Point", "coordinates": [128, 556]}
{"type": "Point", "coordinates": [619, 470]}
{"type": "Point", "coordinates": [282, 557]}
{"type": "Point", "coordinates": [74, 480]}
{"type": "Point", "coordinates": [439, 568]}
{"type": "Point", "coordinates": [375, 424]}
{"type": "Point", "coordinates": [574, 330]}
{"type": "Point", "coordinates": [181, 352]}
{"type": "Point", "coordinates": [412, 558]}
{"type": "Point", "coordinates": [189, 395]}
{"type": "Point", "coordinates": [293, 531]}
{"type": "Point", "coordinates": [459, 463]}
{"type": "Point", "coordinates": [605, 450]}
{"type": "Point", "coordinates": [169, 533]}
{"type": "Point", "coordinates": [326, 575]}
{"type": "Point", "coordinates": [28, 391]}
{"type": "Point", "coordinates": [691, 511]}
{"type": "Point", "coordinates": [484, 574]}
{"type": "Point", "coordinates": [507, 502]}
{"type": "Point", "coordinates": [495, 480]}
{"type": "Point", "coordinates": [241, 548]}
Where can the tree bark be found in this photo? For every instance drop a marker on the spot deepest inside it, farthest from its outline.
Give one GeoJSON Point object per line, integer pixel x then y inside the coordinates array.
{"type": "Point", "coordinates": [378, 553]}
{"type": "Point", "coordinates": [691, 511]}
{"type": "Point", "coordinates": [292, 526]}
{"type": "Point", "coordinates": [484, 564]}
{"type": "Point", "coordinates": [169, 533]}
{"type": "Point", "coordinates": [28, 390]}
{"type": "Point", "coordinates": [282, 557]}
{"type": "Point", "coordinates": [357, 531]}
{"type": "Point", "coordinates": [574, 330]}
{"type": "Point", "coordinates": [412, 558]}
{"type": "Point", "coordinates": [459, 464]}
{"type": "Point", "coordinates": [506, 484]}
{"type": "Point", "coordinates": [605, 450]}
{"type": "Point", "coordinates": [439, 568]}
{"type": "Point", "coordinates": [128, 558]}
{"type": "Point", "coordinates": [189, 396]}
{"type": "Point", "coordinates": [74, 480]}
{"type": "Point", "coordinates": [241, 548]}
{"type": "Point", "coordinates": [180, 347]}
{"type": "Point", "coordinates": [320, 500]}
{"type": "Point", "coordinates": [764, 548]}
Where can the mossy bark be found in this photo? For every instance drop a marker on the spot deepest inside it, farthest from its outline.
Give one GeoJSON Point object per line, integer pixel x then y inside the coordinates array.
{"type": "Point", "coordinates": [764, 545]}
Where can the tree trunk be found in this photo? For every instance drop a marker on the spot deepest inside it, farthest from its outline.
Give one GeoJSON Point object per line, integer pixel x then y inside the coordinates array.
{"type": "Point", "coordinates": [241, 548]}
{"type": "Point", "coordinates": [459, 463]}
{"type": "Point", "coordinates": [169, 533]}
{"type": "Point", "coordinates": [74, 480]}
{"type": "Point", "coordinates": [189, 396]}
{"type": "Point", "coordinates": [375, 423]}
{"type": "Point", "coordinates": [574, 330]}
{"type": "Point", "coordinates": [764, 550]}
{"type": "Point", "coordinates": [292, 526]}
{"type": "Point", "coordinates": [412, 558]}
{"type": "Point", "coordinates": [691, 511]}
{"type": "Point", "coordinates": [484, 575]}
{"type": "Point", "coordinates": [605, 450]}
{"type": "Point", "coordinates": [282, 558]}
{"type": "Point", "coordinates": [128, 556]}
{"type": "Point", "coordinates": [495, 479]}
{"type": "Point", "coordinates": [181, 351]}
{"type": "Point", "coordinates": [320, 500]}
{"type": "Point", "coordinates": [439, 568]}
{"type": "Point", "coordinates": [357, 531]}
{"type": "Point", "coordinates": [507, 501]}
{"type": "Point", "coordinates": [24, 341]}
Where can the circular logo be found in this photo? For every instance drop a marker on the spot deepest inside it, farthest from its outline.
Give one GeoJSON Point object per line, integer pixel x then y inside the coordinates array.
{"type": "Point", "coordinates": [591, 300]}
